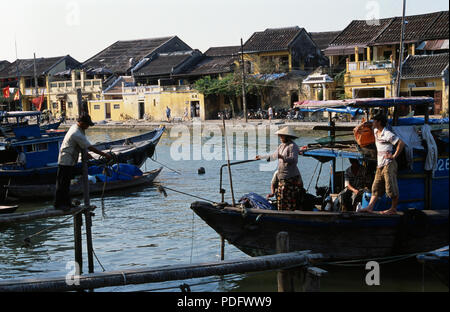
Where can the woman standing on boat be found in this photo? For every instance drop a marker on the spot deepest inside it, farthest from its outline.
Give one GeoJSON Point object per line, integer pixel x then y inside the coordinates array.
{"type": "Point", "coordinates": [290, 182]}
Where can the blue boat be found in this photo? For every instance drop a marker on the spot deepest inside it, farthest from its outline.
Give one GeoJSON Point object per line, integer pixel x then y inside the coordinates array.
{"type": "Point", "coordinates": [11, 120]}
{"type": "Point", "coordinates": [421, 224]}
{"type": "Point", "coordinates": [31, 156]}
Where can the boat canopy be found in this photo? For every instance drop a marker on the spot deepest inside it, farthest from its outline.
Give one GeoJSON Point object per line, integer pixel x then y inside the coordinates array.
{"type": "Point", "coordinates": [366, 102]}
{"type": "Point", "coordinates": [20, 114]}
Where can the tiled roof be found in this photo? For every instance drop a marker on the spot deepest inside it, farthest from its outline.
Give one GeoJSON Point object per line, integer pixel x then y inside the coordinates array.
{"type": "Point", "coordinates": [4, 64]}
{"type": "Point", "coordinates": [388, 30]}
{"type": "Point", "coordinates": [361, 32]}
{"type": "Point", "coordinates": [323, 39]}
{"type": "Point", "coordinates": [223, 51]}
{"type": "Point", "coordinates": [165, 63]}
{"type": "Point", "coordinates": [440, 28]}
{"type": "Point", "coordinates": [425, 66]}
{"type": "Point", "coordinates": [115, 86]}
{"type": "Point", "coordinates": [272, 39]}
{"type": "Point", "coordinates": [26, 67]}
{"type": "Point", "coordinates": [122, 55]}
{"type": "Point", "coordinates": [210, 65]}
{"type": "Point", "coordinates": [416, 29]}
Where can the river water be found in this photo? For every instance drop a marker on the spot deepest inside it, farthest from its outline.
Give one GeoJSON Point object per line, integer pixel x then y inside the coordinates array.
{"type": "Point", "coordinates": [140, 228]}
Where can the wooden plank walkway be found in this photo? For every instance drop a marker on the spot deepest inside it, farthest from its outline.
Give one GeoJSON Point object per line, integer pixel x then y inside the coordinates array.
{"type": "Point", "coordinates": [161, 274]}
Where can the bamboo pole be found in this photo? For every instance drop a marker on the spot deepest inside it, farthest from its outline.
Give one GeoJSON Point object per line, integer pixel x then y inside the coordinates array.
{"type": "Point", "coordinates": [161, 274]}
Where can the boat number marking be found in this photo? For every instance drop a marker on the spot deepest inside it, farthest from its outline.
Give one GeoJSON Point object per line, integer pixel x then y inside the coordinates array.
{"type": "Point", "coordinates": [442, 164]}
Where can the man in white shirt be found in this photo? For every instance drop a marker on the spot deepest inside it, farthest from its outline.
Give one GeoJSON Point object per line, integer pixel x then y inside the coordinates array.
{"type": "Point", "coordinates": [74, 142]}
{"type": "Point", "coordinates": [386, 176]}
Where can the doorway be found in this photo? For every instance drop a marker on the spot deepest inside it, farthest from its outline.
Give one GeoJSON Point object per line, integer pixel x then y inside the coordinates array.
{"type": "Point", "coordinates": [195, 109]}
{"type": "Point", "coordinates": [141, 110]}
{"type": "Point", "coordinates": [369, 93]}
{"type": "Point", "coordinates": [107, 110]}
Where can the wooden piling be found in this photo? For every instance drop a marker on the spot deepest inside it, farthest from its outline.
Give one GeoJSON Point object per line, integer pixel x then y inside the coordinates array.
{"type": "Point", "coordinates": [312, 279]}
{"type": "Point", "coordinates": [284, 277]}
{"type": "Point", "coordinates": [78, 247]}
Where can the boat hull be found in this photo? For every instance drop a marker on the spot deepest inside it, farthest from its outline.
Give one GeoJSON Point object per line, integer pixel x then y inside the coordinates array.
{"type": "Point", "coordinates": [48, 190]}
{"type": "Point", "coordinates": [338, 236]}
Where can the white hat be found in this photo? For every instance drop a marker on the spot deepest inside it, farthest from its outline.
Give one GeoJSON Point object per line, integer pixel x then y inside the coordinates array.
{"type": "Point", "coordinates": [288, 131]}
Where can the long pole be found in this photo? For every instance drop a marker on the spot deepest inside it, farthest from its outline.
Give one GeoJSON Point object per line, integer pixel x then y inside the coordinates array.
{"type": "Point", "coordinates": [35, 76]}
{"type": "Point", "coordinates": [228, 161]}
{"type": "Point", "coordinates": [244, 100]}
{"type": "Point", "coordinates": [402, 38]}
{"type": "Point", "coordinates": [18, 77]}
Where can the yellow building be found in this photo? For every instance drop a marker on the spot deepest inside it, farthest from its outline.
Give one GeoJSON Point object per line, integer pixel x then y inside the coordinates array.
{"type": "Point", "coordinates": [150, 103]}
{"type": "Point", "coordinates": [282, 50]}
{"type": "Point", "coordinates": [35, 77]}
{"type": "Point", "coordinates": [63, 93]}
{"type": "Point", "coordinates": [427, 75]}
{"type": "Point", "coordinates": [369, 51]}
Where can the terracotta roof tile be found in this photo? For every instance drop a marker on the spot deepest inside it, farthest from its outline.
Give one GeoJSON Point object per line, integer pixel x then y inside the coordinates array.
{"type": "Point", "coordinates": [425, 66]}
{"type": "Point", "coordinates": [272, 39]}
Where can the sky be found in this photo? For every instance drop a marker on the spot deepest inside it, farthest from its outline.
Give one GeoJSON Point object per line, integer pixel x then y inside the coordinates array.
{"type": "Point", "coordinates": [82, 28]}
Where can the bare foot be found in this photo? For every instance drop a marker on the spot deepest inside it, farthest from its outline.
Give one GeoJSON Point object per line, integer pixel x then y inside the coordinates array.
{"type": "Point", "coordinates": [389, 212]}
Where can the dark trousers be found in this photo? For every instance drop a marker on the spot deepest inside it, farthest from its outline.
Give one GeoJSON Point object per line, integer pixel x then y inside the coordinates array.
{"type": "Point", "coordinates": [63, 178]}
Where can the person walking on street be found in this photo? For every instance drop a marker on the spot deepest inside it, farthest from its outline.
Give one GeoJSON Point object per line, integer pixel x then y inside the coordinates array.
{"type": "Point", "coordinates": [168, 113]}
{"type": "Point", "coordinates": [74, 142]}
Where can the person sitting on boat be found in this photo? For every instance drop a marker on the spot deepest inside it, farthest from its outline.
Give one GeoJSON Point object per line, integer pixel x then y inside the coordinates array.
{"type": "Point", "coordinates": [290, 182]}
{"type": "Point", "coordinates": [356, 180]}
{"type": "Point", "coordinates": [74, 142]}
{"type": "Point", "coordinates": [386, 175]}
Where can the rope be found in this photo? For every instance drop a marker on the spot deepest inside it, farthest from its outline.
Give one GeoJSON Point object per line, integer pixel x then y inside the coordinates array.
{"type": "Point", "coordinates": [381, 260]}
{"type": "Point", "coordinates": [165, 166]}
{"type": "Point", "coordinates": [312, 177]}
{"type": "Point", "coordinates": [162, 188]}
{"type": "Point", "coordinates": [27, 240]}
{"type": "Point", "coordinates": [192, 238]}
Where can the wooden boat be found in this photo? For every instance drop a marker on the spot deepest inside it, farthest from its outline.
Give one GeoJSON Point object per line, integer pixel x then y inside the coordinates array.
{"type": "Point", "coordinates": [421, 225]}
{"type": "Point", "coordinates": [340, 236]}
{"type": "Point", "coordinates": [8, 209]}
{"type": "Point", "coordinates": [41, 155]}
{"type": "Point", "coordinates": [48, 190]}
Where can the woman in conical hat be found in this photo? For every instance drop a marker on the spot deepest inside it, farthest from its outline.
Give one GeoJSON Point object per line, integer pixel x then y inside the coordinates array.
{"type": "Point", "coordinates": [290, 184]}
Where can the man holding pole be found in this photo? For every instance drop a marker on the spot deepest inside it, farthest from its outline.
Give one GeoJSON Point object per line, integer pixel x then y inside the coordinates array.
{"type": "Point", "coordinates": [74, 142]}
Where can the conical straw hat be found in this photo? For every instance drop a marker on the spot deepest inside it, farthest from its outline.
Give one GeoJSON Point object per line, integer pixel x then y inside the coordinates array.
{"type": "Point", "coordinates": [287, 131]}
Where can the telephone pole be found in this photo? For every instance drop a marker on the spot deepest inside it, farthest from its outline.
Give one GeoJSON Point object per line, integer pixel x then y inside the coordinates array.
{"type": "Point", "coordinates": [402, 39]}
{"type": "Point", "coordinates": [244, 101]}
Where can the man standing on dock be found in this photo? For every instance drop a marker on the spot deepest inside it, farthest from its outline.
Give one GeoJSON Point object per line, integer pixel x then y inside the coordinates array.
{"type": "Point", "coordinates": [386, 176]}
{"type": "Point", "coordinates": [74, 142]}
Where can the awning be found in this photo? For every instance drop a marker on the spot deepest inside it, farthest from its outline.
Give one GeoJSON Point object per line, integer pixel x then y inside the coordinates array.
{"type": "Point", "coordinates": [433, 45]}
{"type": "Point", "coordinates": [343, 50]}
{"type": "Point", "coordinates": [367, 102]}
{"type": "Point", "coordinates": [318, 79]}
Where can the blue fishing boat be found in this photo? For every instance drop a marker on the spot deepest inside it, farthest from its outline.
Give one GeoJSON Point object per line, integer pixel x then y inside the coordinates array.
{"type": "Point", "coordinates": [11, 120]}
{"type": "Point", "coordinates": [31, 156]}
{"type": "Point", "coordinates": [420, 225]}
